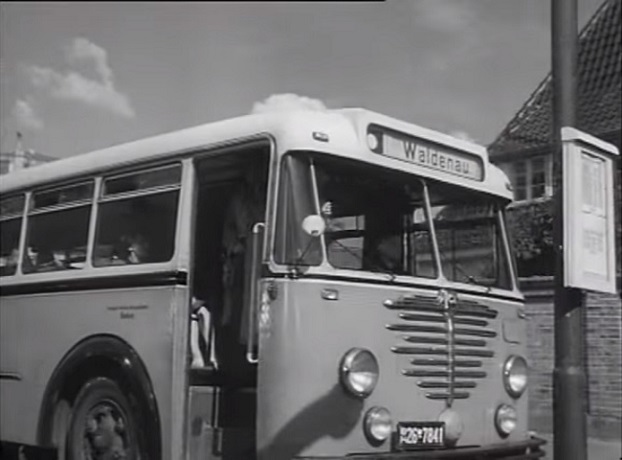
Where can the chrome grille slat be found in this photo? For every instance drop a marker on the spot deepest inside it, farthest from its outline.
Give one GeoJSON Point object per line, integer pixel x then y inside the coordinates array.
{"type": "Point", "coordinates": [440, 323]}
{"type": "Point", "coordinates": [479, 353]}
{"type": "Point", "coordinates": [419, 351]}
{"type": "Point", "coordinates": [471, 322]}
{"type": "Point", "coordinates": [483, 313]}
{"type": "Point", "coordinates": [453, 395]}
{"type": "Point", "coordinates": [415, 317]}
{"type": "Point", "coordinates": [415, 328]}
{"type": "Point", "coordinates": [443, 373]}
{"type": "Point", "coordinates": [475, 332]}
{"type": "Point", "coordinates": [445, 362]}
{"type": "Point", "coordinates": [435, 340]}
{"type": "Point", "coordinates": [470, 342]}
{"type": "Point", "coordinates": [434, 384]}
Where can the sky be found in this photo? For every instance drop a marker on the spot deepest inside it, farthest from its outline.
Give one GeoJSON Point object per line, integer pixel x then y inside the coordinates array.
{"type": "Point", "coordinates": [77, 77]}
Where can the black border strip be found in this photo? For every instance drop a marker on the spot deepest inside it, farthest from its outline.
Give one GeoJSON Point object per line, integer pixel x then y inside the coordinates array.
{"type": "Point", "coordinates": [352, 279]}
{"type": "Point", "coordinates": [168, 278]}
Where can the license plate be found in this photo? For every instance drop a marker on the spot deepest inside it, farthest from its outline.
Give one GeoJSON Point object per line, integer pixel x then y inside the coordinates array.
{"type": "Point", "coordinates": [420, 435]}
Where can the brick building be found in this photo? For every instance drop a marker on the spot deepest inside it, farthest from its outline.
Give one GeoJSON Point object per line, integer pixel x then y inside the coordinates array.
{"type": "Point", "coordinates": [523, 151]}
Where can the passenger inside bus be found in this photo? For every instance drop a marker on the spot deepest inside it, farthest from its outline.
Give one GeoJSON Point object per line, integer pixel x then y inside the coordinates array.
{"type": "Point", "coordinates": [136, 230]}
{"type": "Point", "coordinates": [131, 248]}
{"type": "Point", "coordinates": [31, 259]}
{"type": "Point", "coordinates": [137, 248]}
{"type": "Point", "coordinates": [8, 263]}
{"type": "Point", "coordinates": [387, 253]}
{"type": "Point", "coordinates": [246, 207]}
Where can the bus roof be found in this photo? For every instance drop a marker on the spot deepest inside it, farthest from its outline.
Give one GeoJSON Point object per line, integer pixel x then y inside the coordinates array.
{"type": "Point", "coordinates": [346, 128]}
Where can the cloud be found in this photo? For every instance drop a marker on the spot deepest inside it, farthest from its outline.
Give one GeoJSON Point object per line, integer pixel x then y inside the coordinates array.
{"type": "Point", "coordinates": [463, 135]}
{"type": "Point", "coordinates": [83, 50]}
{"type": "Point", "coordinates": [99, 93]}
{"type": "Point", "coordinates": [77, 87]}
{"type": "Point", "coordinates": [287, 102]}
{"type": "Point", "coordinates": [444, 15]}
{"type": "Point", "coordinates": [25, 115]}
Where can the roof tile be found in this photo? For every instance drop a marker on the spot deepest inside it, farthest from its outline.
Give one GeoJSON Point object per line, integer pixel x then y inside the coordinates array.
{"type": "Point", "coordinates": [599, 91]}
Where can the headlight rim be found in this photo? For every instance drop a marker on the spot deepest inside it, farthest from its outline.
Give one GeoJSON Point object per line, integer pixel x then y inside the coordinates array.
{"type": "Point", "coordinates": [501, 432]}
{"type": "Point", "coordinates": [507, 371]}
{"type": "Point", "coordinates": [345, 369]}
{"type": "Point", "coordinates": [367, 425]}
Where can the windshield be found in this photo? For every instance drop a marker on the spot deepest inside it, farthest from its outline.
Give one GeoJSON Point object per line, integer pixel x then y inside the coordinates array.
{"type": "Point", "coordinates": [469, 236]}
{"type": "Point", "coordinates": [377, 221]}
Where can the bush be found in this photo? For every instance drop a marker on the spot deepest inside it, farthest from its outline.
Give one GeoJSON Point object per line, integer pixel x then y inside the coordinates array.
{"type": "Point", "coordinates": [531, 234]}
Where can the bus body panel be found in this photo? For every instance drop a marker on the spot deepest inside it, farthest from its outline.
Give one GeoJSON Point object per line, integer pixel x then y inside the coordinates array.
{"type": "Point", "coordinates": [52, 324]}
{"type": "Point", "coordinates": [303, 409]}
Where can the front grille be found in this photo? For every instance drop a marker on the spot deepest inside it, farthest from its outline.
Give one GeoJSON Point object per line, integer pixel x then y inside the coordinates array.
{"type": "Point", "coordinates": [447, 338]}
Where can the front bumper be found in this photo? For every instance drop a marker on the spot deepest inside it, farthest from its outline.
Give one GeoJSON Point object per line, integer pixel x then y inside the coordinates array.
{"type": "Point", "coordinates": [523, 450]}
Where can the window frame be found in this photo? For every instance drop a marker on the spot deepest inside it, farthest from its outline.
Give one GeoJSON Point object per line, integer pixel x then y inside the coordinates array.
{"type": "Point", "coordinates": [325, 267]}
{"type": "Point", "coordinates": [529, 177]}
{"type": "Point", "coordinates": [30, 211]}
{"type": "Point", "coordinates": [102, 198]}
{"type": "Point", "coordinates": [21, 216]}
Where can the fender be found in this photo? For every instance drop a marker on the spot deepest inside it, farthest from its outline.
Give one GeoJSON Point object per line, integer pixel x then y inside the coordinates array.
{"type": "Point", "coordinates": [132, 372]}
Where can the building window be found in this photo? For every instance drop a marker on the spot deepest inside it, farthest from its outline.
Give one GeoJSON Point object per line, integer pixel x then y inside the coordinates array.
{"type": "Point", "coordinates": [531, 178]}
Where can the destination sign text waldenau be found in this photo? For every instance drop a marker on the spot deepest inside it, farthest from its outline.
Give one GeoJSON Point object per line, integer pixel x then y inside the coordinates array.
{"type": "Point", "coordinates": [429, 155]}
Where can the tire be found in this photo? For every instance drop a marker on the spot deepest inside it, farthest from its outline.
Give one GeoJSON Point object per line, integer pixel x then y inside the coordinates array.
{"type": "Point", "coordinates": [104, 425]}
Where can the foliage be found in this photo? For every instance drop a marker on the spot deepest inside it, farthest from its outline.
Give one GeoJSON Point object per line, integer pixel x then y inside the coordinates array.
{"type": "Point", "coordinates": [531, 233]}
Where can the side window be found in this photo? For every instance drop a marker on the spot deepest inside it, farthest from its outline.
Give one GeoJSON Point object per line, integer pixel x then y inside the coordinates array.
{"type": "Point", "coordinates": [11, 211]}
{"type": "Point", "coordinates": [137, 218]}
{"type": "Point", "coordinates": [58, 227]}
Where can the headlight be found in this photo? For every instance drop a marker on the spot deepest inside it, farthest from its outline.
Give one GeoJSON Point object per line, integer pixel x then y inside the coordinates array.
{"type": "Point", "coordinates": [505, 419]}
{"type": "Point", "coordinates": [377, 424]}
{"type": "Point", "coordinates": [515, 375]}
{"type": "Point", "coordinates": [358, 372]}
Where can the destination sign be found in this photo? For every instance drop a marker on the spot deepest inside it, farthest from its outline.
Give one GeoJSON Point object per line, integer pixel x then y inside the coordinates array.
{"type": "Point", "coordinates": [426, 153]}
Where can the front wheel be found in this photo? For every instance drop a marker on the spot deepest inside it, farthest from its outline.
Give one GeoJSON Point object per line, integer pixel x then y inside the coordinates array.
{"type": "Point", "coordinates": [103, 425]}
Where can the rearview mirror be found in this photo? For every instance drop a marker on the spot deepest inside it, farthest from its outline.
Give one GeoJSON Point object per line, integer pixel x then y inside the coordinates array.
{"type": "Point", "coordinates": [314, 225]}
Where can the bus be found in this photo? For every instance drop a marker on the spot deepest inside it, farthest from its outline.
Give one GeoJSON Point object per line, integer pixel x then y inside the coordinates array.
{"type": "Point", "coordinates": [304, 284]}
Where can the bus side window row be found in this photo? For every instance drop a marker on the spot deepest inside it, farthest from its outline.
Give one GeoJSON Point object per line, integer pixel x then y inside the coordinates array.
{"type": "Point", "coordinates": [128, 231]}
{"type": "Point", "coordinates": [56, 240]}
{"type": "Point", "coordinates": [9, 245]}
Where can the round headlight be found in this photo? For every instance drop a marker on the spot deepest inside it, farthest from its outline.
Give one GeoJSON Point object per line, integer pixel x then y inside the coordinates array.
{"type": "Point", "coordinates": [377, 424]}
{"type": "Point", "coordinates": [506, 419]}
{"type": "Point", "coordinates": [515, 376]}
{"type": "Point", "coordinates": [358, 372]}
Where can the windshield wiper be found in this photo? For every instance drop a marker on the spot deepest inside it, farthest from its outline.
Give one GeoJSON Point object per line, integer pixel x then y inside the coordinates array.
{"type": "Point", "coordinates": [470, 278]}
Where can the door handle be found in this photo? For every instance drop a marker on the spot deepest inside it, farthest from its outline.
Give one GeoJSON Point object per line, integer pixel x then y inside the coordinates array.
{"type": "Point", "coordinates": [257, 252]}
